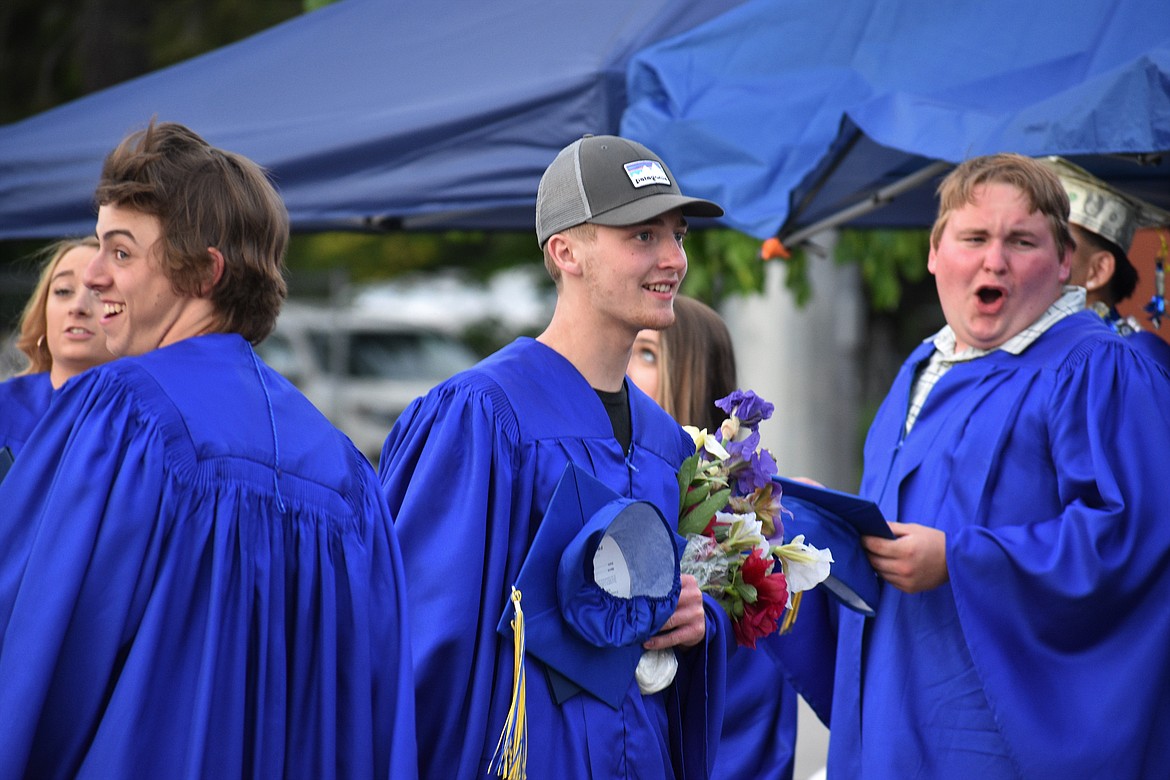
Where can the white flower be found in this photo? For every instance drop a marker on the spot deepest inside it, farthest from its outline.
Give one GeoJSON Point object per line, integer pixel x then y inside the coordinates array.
{"type": "Point", "coordinates": [744, 531]}
{"type": "Point", "coordinates": [804, 565]}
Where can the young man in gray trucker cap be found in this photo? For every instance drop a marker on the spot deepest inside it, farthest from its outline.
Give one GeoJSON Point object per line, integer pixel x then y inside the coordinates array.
{"type": "Point", "coordinates": [473, 465]}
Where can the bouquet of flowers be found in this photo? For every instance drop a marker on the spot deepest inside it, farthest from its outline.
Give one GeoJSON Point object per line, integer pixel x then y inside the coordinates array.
{"type": "Point", "coordinates": [729, 511]}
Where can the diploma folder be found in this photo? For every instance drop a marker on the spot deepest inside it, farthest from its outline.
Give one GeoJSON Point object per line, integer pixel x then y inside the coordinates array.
{"type": "Point", "coordinates": [837, 521]}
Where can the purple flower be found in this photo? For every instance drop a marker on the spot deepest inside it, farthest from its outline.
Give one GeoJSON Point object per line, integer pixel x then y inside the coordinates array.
{"type": "Point", "coordinates": [742, 447]}
{"type": "Point", "coordinates": [756, 472]}
{"type": "Point", "coordinates": [747, 406]}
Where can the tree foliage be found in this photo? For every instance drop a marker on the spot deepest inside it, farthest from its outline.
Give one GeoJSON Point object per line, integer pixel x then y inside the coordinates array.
{"type": "Point", "coordinates": [889, 260]}
{"type": "Point", "coordinates": [52, 51]}
{"type": "Point", "coordinates": [721, 263]}
{"type": "Point", "coordinates": [374, 256]}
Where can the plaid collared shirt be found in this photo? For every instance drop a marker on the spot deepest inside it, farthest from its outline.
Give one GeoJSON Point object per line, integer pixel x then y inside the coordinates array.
{"type": "Point", "coordinates": [944, 356]}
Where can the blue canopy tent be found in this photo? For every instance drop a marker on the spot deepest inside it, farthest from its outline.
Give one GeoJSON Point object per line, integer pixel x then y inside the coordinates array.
{"type": "Point", "coordinates": [793, 114]}
{"type": "Point", "coordinates": [370, 114]}
{"type": "Point", "coordinates": [798, 115]}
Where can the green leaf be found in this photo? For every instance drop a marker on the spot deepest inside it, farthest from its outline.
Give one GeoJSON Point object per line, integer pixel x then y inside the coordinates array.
{"type": "Point", "coordinates": [686, 475]}
{"type": "Point", "coordinates": [695, 519]}
{"type": "Point", "coordinates": [692, 523]}
{"type": "Point", "coordinates": [695, 496]}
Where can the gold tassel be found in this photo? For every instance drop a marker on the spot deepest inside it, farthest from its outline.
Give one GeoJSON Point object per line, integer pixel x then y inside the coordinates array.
{"type": "Point", "coordinates": [790, 616]}
{"type": "Point", "coordinates": [511, 757]}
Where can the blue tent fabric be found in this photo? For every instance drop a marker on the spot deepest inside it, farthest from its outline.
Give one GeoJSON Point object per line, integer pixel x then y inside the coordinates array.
{"type": "Point", "coordinates": [815, 108]}
{"type": "Point", "coordinates": [369, 113]}
{"type": "Point", "coordinates": [374, 114]}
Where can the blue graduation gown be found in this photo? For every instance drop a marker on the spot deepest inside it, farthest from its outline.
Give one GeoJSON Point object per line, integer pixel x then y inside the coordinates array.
{"type": "Point", "coordinates": [23, 401]}
{"type": "Point", "coordinates": [758, 741]}
{"type": "Point", "coordinates": [468, 471]}
{"type": "Point", "coordinates": [186, 594]}
{"type": "Point", "coordinates": [1045, 655]}
{"type": "Point", "coordinates": [1152, 346]}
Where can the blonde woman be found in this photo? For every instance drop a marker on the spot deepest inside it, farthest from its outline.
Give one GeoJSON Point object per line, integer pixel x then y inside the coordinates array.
{"type": "Point", "coordinates": [60, 335]}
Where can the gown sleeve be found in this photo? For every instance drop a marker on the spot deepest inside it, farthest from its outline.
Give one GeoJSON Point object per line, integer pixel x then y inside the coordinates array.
{"type": "Point", "coordinates": [1066, 615]}
{"type": "Point", "coordinates": [1151, 346]}
{"type": "Point", "coordinates": [395, 742]}
{"type": "Point", "coordinates": [448, 473]}
{"type": "Point", "coordinates": [698, 697]}
{"type": "Point", "coordinates": [72, 556]}
{"type": "Point", "coordinates": [23, 401]}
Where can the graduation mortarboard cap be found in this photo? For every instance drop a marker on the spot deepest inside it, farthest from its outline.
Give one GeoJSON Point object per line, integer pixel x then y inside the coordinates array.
{"type": "Point", "coordinates": [1103, 209]}
{"type": "Point", "coordinates": [837, 521]}
{"type": "Point", "coordinates": [601, 577]}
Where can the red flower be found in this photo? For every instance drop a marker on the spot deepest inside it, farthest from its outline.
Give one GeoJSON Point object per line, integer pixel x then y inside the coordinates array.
{"type": "Point", "coordinates": [760, 617]}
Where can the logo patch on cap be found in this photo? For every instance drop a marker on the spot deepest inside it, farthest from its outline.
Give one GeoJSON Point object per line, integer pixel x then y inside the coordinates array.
{"type": "Point", "coordinates": [645, 172]}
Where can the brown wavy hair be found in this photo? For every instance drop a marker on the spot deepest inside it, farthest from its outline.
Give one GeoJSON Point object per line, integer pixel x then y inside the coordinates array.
{"type": "Point", "coordinates": [206, 197]}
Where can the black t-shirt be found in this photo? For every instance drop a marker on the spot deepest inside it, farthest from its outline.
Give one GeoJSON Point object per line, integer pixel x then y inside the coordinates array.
{"type": "Point", "coordinates": [617, 406]}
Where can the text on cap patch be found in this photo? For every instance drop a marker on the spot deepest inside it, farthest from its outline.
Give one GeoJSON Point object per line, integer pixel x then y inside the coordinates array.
{"type": "Point", "coordinates": [645, 172]}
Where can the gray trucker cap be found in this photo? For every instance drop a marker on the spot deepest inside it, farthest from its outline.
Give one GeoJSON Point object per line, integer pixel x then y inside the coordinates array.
{"type": "Point", "coordinates": [609, 180]}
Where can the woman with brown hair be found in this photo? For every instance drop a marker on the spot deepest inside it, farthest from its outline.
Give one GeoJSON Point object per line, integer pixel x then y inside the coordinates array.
{"type": "Point", "coordinates": [686, 368]}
